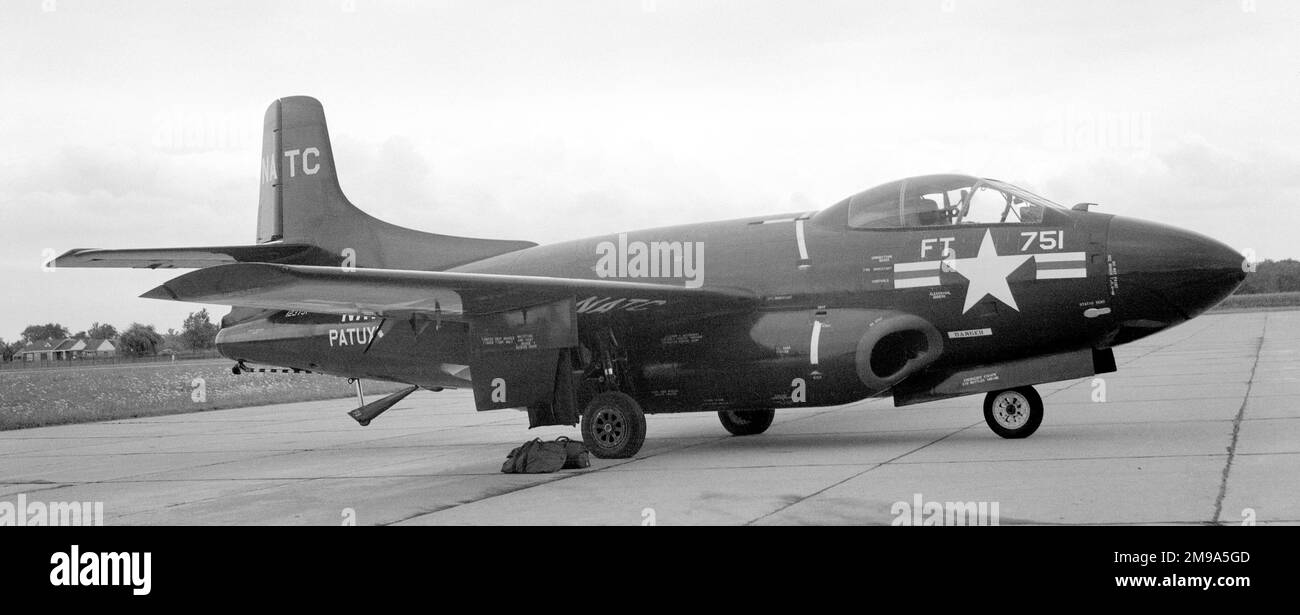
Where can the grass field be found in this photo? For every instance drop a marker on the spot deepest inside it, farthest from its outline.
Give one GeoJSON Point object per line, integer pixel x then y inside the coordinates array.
{"type": "Point", "coordinates": [36, 397]}
{"type": "Point", "coordinates": [1263, 301]}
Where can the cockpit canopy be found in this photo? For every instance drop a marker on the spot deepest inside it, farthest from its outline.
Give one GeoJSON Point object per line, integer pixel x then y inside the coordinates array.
{"type": "Point", "coordinates": [938, 200]}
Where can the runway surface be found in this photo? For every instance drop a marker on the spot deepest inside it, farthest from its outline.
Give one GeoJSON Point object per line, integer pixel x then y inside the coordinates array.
{"type": "Point", "coordinates": [1200, 424]}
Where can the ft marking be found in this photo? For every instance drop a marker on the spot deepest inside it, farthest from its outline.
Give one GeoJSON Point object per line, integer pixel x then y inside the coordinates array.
{"type": "Point", "coordinates": [928, 244]}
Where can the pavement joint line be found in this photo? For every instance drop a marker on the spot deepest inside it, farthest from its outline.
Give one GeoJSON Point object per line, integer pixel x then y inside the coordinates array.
{"type": "Point", "coordinates": [237, 493]}
{"type": "Point", "coordinates": [946, 436]}
{"type": "Point", "coordinates": [277, 484]}
{"type": "Point", "coordinates": [144, 475]}
{"type": "Point", "coordinates": [857, 474]}
{"type": "Point", "coordinates": [277, 453]}
{"type": "Point", "coordinates": [1153, 350]}
{"type": "Point", "coordinates": [604, 469]}
{"type": "Point", "coordinates": [1236, 429]}
{"type": "Point", "coordinates": [271, 454]}
{"type": "Point", "coordinates": [553, 479]}
{"type": "Point", "coordinates": [303, 481]}
{"type": "Point", "coordinates": [1050, 459]}
{"type": "Point", "coordinates": [346, 447]}
{"type": "Point", "coordinates": [49, 487]}
{"type": "Point", "coordinates": [618, 467]}
{"type": "Point", "coordinates": [918, 463]}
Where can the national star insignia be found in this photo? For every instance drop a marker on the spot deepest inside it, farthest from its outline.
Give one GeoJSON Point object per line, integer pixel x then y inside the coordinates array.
{"type": "Point", "coordinates": [987, 273]}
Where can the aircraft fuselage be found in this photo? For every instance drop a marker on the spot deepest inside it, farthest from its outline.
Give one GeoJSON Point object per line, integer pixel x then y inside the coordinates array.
{"type": "Point", "coordinates": [1057, 286]}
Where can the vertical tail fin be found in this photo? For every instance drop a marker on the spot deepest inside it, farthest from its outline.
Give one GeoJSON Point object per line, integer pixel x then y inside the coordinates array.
{"type": "Point", "coordinates": [300, 195]}
{"type": "Point", "coordinates": [303, 216]}
{"type": "Point", "coordinates": [300, 202]}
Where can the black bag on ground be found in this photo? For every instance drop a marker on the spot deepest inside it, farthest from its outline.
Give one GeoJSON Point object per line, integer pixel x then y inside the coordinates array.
{"type": "Point", "coordinates": [535, 457]}
{"type": "Point", "coordinates": [575, 453]}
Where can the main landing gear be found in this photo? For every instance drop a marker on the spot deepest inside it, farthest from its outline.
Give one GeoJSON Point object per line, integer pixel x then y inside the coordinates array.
{"type": "Point", "coordinates": [1013, 413]}
{"type": "Point", "coordinates": [613, 426]}
{"type": "Point", "coordinates": [747, 422]}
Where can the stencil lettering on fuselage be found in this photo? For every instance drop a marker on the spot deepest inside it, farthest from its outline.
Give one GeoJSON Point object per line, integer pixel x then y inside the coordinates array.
{"type": "Point", "coordinates": [354, 335]}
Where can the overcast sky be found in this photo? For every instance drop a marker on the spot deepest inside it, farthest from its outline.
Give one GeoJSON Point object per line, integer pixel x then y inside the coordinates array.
{"type": "Point", "coordinates": [137, 124]}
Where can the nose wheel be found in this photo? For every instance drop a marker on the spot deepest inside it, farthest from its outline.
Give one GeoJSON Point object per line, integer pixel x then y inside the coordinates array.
{"type": "Point", "coordinates": [1013, 413]}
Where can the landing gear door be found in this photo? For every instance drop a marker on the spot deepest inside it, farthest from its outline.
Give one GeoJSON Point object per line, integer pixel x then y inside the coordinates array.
{"type": "Point", "coordinates": [523, 359]}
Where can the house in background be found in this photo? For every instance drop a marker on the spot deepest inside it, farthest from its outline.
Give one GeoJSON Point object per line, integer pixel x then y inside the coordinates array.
{"type": "Point", "coordinates": [67, 349]}
{"type": "Point", "coordinates": [98, 349]}
{"type": "Point", "coordinates": [40, 350]}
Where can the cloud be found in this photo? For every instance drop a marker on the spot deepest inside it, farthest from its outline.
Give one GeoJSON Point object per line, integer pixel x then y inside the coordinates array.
{"type": "Point", "coordinates": [1228, 193]}
{"type": "Point", "coordinates": [532, 122]}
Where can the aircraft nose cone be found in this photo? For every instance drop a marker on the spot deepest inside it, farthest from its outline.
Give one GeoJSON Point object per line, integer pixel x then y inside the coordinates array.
{"type": "Point", "coordinates": [1168, 275]}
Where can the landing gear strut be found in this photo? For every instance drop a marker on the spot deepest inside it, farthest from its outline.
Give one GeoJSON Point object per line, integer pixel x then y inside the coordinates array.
{"type": "Point", "coordinates": [1013, 413]}
{"type": "Point", "coordinates": [361, 395]}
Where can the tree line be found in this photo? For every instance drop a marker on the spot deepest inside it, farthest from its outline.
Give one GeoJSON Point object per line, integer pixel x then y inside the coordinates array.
{"type": "Point", "coordinates": [198, 332]}
{"type": "Point", "coordinates": [1273, 277]}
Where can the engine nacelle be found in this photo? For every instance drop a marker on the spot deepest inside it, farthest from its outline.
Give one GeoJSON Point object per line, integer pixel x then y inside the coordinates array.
{"type": "Point", "coordinates": [894, 346]}
{"type": "Point", "coordinates": [783, 359]}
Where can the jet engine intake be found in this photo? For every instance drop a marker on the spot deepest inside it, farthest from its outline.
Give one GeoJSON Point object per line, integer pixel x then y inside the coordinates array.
{"type": "Point", "coordinates": [895, 347]}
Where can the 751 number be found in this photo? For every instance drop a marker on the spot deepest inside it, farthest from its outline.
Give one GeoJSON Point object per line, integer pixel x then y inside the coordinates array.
{"type": "Point", "coordinates": [1047, 240]}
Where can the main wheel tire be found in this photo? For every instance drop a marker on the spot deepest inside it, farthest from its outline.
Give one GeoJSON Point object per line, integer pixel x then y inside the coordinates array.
{"type": "Point", "coordinates": [747, 422]}
{"type": "Point", "coordinates": [613, 426]}
{"type": "Point", "coordinates": [1013, 413]}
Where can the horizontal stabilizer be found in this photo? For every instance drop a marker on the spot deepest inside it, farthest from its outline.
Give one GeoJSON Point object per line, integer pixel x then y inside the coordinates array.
{"type": "Point", "coordinates": [441, 294]}
{"type": "Point", "coordinates": [188, 258]}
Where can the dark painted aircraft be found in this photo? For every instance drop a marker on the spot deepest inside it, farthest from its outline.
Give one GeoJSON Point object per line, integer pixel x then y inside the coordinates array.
{"type": "Point", "coordinates": [920, 289]}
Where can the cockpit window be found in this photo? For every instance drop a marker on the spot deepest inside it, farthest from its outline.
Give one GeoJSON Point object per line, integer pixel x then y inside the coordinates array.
{"type": "Point", "coordinates": [875, 208]}
{"type": "Point", "coordinates": [987, 205]}
{"type": "Point", "coordinates": [941, 200]}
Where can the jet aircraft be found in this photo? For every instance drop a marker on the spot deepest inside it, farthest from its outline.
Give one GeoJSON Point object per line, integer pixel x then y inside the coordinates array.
{"type": "Point", "coordinates": [919, 289]}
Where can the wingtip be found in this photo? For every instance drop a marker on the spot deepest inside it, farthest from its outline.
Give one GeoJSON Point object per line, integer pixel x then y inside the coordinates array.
{"type": "Point", "coordinates": [67, 259]}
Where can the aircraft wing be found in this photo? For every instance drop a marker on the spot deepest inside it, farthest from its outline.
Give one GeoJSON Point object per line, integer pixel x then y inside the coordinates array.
{"type": "Point", "coordinates": [397, 293]}
{"type": "Point", "coordinates": [183, 258]}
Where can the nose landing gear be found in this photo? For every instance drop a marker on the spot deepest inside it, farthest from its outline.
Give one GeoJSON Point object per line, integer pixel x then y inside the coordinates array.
{"type": "Point", "coordinates": [1013, 413]}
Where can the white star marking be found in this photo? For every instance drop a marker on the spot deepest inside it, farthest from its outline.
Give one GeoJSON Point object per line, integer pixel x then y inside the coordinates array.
{"type": "Point", "coordinates": [988, 273]}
